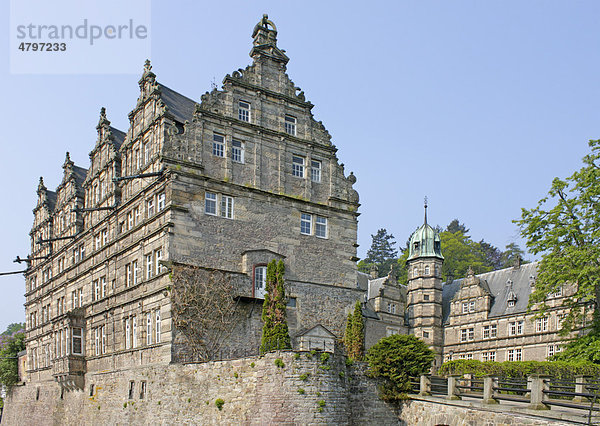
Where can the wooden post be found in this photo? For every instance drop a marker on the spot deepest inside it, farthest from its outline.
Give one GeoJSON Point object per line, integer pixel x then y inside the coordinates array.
{"type": "Point", "coordinates": [453, 392]}
{"type": "Point", "coordinates": [538, 385]}
{"type": "Point", "coordinates": [424, 386]}
{"type": "Point", "coordinates": [488, 389]}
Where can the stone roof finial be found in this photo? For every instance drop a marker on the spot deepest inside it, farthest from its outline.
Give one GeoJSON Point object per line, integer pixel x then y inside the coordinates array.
{"type": "Point", "coordinates": [41, 186]}
{"type": "Point", "coordinates": [103, 121]}
{"type": "Point", "coordinates": [147, 66]}
{"type": "Point", "coordinates": [470, 272]}
{"type": "Point", "coordinates": [68, 163]}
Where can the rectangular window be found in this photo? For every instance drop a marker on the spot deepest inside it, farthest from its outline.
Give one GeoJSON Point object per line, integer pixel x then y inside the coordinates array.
{"type": "Point", "coordinates": [463, 335]}
{"type": "Point", "coordinates": [493, 330]}
{"type": "Point", "coordinates": [127, 333]}
{"type": "Point", "coordinates": [472, 306]}
{"type": "Point", "coordinates": [290, 125]}
{"type": "Point", "coordinates": [128, 275]}
{"type": "Point", "coordinates": [104, 237]}
{"type": "Point", "coordinates": [161, 201]}
{"type": "Point", "coordinates": [518, 355]}
{"type": "Point", "coordinates": [315, 171]}
{"type": "Point", "coordinates": [297, 166]}
{"type": "Point", "coordinates": [142, 389]}
{"type": "Point", "coordinates": [103, 286]}
{"type": "Point", "coordinates": [260, 281]}
{"type": "Point", "coordinates": [134, 270]}
{"type": "Point", "coordinates": [149, 266]}
{"type": "Point", "coordinates": [103, 334]}
{"type": "Point", "coordinates": [321, 227]}
{"type": "Point", "coordinates": [74, 300]}
{"type": "Point", "coordinates": [97, 341]}
{"type": "Point", "coordinates": [227, 206]}
{"type": "Point", "coordinates": [96, 292]}
{"type": "Point", "coordinates": [157, 258]}
{"type": "Point", "coordinates": [515, 328]}
{"type": "Point", "coordinates": [80, 292]}
{"type": "Point", "coordinates": [130, 220]}
{"type": "Point", "coordinates": [150, 207]}
{"type": "Point", "coordinates": [244, 111]}
{"type": "Point", "coordinates": [218, 146]}
{"type": "Point", "coordinates": [306, 224]}
{"type": "Point", "coordinates": [98, 241]}
{"type": "Point", "coordinates": [148, 328]}
{"type": "Point", "coordinates": [465, 307]}
{"type": "Point", "coordinates": [471, 334]}
{"type": "Point", "coordinates": [237, 151]}
{"type": "Point", "coordinates": [551, 350]}
{"type": "Point", "coordinates": [136, 215]}
{"type": "Point", "coordinates": [146, 152]}
{"type": "Point", "coordinates": [131, 389]}
{"type": "Point", "coordinates": [210, 203]}
{"type": "Point", "coordinates": [157, 328]}
{"type": "Point", "coordinates": [486, 331]}
{"type": "Point", "coordinates": [134, 341]}
{"type": "Point", "coordinates": [136, 156]}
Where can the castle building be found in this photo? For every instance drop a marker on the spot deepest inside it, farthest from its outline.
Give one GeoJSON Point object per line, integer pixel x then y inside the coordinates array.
{"type": "Point", "coordinates": [227, 184]}
{"type": "Point", "coordinates": [483, 317]}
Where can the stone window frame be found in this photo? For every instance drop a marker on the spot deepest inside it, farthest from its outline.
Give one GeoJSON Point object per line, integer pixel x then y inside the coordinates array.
{"type": "Point", "coordinates": [316, 167]}
{"type": "Point", "coordinates": [244, 110]}
{"type": "Point", "coordinates": [290, 125]}
{"type": "Point", "coordinates": [218, 146]}
{"type": "Point", "coordinates": [237, 151]}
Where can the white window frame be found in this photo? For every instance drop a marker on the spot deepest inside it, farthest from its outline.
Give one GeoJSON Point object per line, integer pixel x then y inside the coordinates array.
{"type": "Point", "coordinates": [237, 151]}
{"type": "Point", "coordinates": [127, 333]}
{"type": "Point", "coordinates": [128, 275]}
{"type": "Point", "coordinates": [134, 331]}
{"type": "Point", "coordinates": [298, 166]}
{"type": "Point", "coordinates": [260, 281]}
{"type": "Point", "coordinates": [321, 227]}
{"type": "Point", "coordinates": [157, 259]}
{"type": "Point", "coordinates": [149, 266]}
{"type": "Point", "coordinates": [306, 221]}
{"type": "Point", "coordinates": [226, 205]}
{"type": "Point", "coordinates": [150, 207]}
{"type": "Point", "coordinates": [103, 288]}
{"type": "Point", "coordinates": [157, 328]}
{"type": "Point", "coordinates": [465, 307]}
{"type": "Point", "coordinates": [290, 124]}
{"type": "Point", "coordinates": [218, 145]}
{"type": "Point", "coordinates": [471, 306]}
{"type": "Point", "coordinates": [210, 199]}
{"type": "Point", "coordinates": [148, 328]}
{"type": "Point", "coordinates": [161, 201]}
{"type": "Point", "coordinates": [315, 170]}
{"type": "Point", "coordinates": [134, 269]}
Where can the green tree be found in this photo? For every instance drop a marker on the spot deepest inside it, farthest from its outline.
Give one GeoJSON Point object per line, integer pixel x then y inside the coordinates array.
{"type": "Point", "coordinates": [10, 346]}
{"type": "Point", "coordinates": [382, 253]}
{"type": "Point", "coordinates": [455, 226]}
{"type": "Point", "coordinates": [564, 228]}
{"type": "Point", "coordinates": [460, 252]}
{"type": "Point", "coordinates": [397, 358]}
{"type": "Point", "coordinates": [13, 328]}
{"type": "Point", "coordinates": [354, 336]}
{"type": "Point", "coordinates": [275, 334]}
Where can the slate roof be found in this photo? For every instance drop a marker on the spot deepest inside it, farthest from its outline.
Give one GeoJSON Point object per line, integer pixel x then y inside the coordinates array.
{"type": "Point", "coordinates": [179, 106]}
{"type": "Point", "coordinates": [374, 287]}
{"type": "Point", "coordinates": [362, 281]}
{"type": "Point", "coordinates": [119, 137]}
{"type": "Point", "coordinates": [51, 197]}
{"type": "Point", "coordinates": [500, 284]}
{"type": "Point", "coordinates": [80, 174]}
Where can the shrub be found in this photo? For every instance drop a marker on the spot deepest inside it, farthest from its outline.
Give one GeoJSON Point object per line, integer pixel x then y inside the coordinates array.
{"type": "Point", "coordinates": [562, 370]}
{"type": "Point", "coordinates": [275, 334]}
{"type": "Point", "coordinates": [354, 336]}
{"type": "Point", "coordinates": [396, 358]}
{"type": "Point", "coordinates": [219, 403]}
{"type": "Point", "coordinates": [324, 357]}
{"type": "Point", "coordinates": [304, 376]}
{"type": "Point", "coordinates": [279, 363]}
{"type": "Point", "coordinates": [301, 391]}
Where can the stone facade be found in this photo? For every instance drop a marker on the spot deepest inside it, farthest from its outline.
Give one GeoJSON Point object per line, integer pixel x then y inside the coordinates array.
{"type": "Point", "coordinates": [243, 176]}
{"type": "Point", "coordinates": [278, 388]}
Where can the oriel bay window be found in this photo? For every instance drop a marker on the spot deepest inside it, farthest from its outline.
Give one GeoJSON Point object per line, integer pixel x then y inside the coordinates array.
{"type": "Point", "coordinates": [77, 341]}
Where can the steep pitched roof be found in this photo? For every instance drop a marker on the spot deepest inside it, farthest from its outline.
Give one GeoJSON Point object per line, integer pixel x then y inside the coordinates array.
{"type": "Point", "coordinates": [180, 107]}
{"type": "Point", "coordinates": [500, 284]}
{"type": "Point", "coordinates": [119, 137]}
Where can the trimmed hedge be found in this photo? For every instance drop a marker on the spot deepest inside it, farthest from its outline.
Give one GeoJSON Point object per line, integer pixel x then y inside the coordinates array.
{"type": "Point", "coordinates": [562, 370]}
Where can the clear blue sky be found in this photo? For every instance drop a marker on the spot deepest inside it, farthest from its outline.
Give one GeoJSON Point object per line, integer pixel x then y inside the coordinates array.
{"type": "Point", "coordinates": [477, 105]}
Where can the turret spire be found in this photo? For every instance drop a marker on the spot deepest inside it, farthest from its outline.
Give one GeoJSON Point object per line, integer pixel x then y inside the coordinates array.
{"type": "Point", "coordinates": [425, 210]}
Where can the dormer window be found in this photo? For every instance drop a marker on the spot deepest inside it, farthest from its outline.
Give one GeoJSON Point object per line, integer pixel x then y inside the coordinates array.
{"type": "Point", "coordinates": [427, 270]}
{"type": "Point", "coordinates": [416, 246]}
{"type": "Point", "coordinates": [511, 303]}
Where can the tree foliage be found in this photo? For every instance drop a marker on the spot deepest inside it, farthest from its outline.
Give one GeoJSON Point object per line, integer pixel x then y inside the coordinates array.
{"type": "Point", "coordinates": [382, 253]}
{"type": "Point", "coordinates": [354, 336]}
{"type": "Point", "coordinates": [396, 358]}
{"type": "Point", "coordinates": [564, 228]}
{"type": "Point", "coordinates": [583, 349]}
{"type": "Point", "coordinates": [12, 342]}
{"type": "Point", "coordinates": [275, 334]}
{"type": "Point", "coordinates": [203, 309]}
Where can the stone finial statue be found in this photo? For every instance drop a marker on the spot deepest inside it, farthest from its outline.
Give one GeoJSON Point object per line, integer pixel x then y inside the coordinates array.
{"type": "Point", "coordinates": [373, 272]}
{"type": "Point", "coordinates": [392, 279]}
